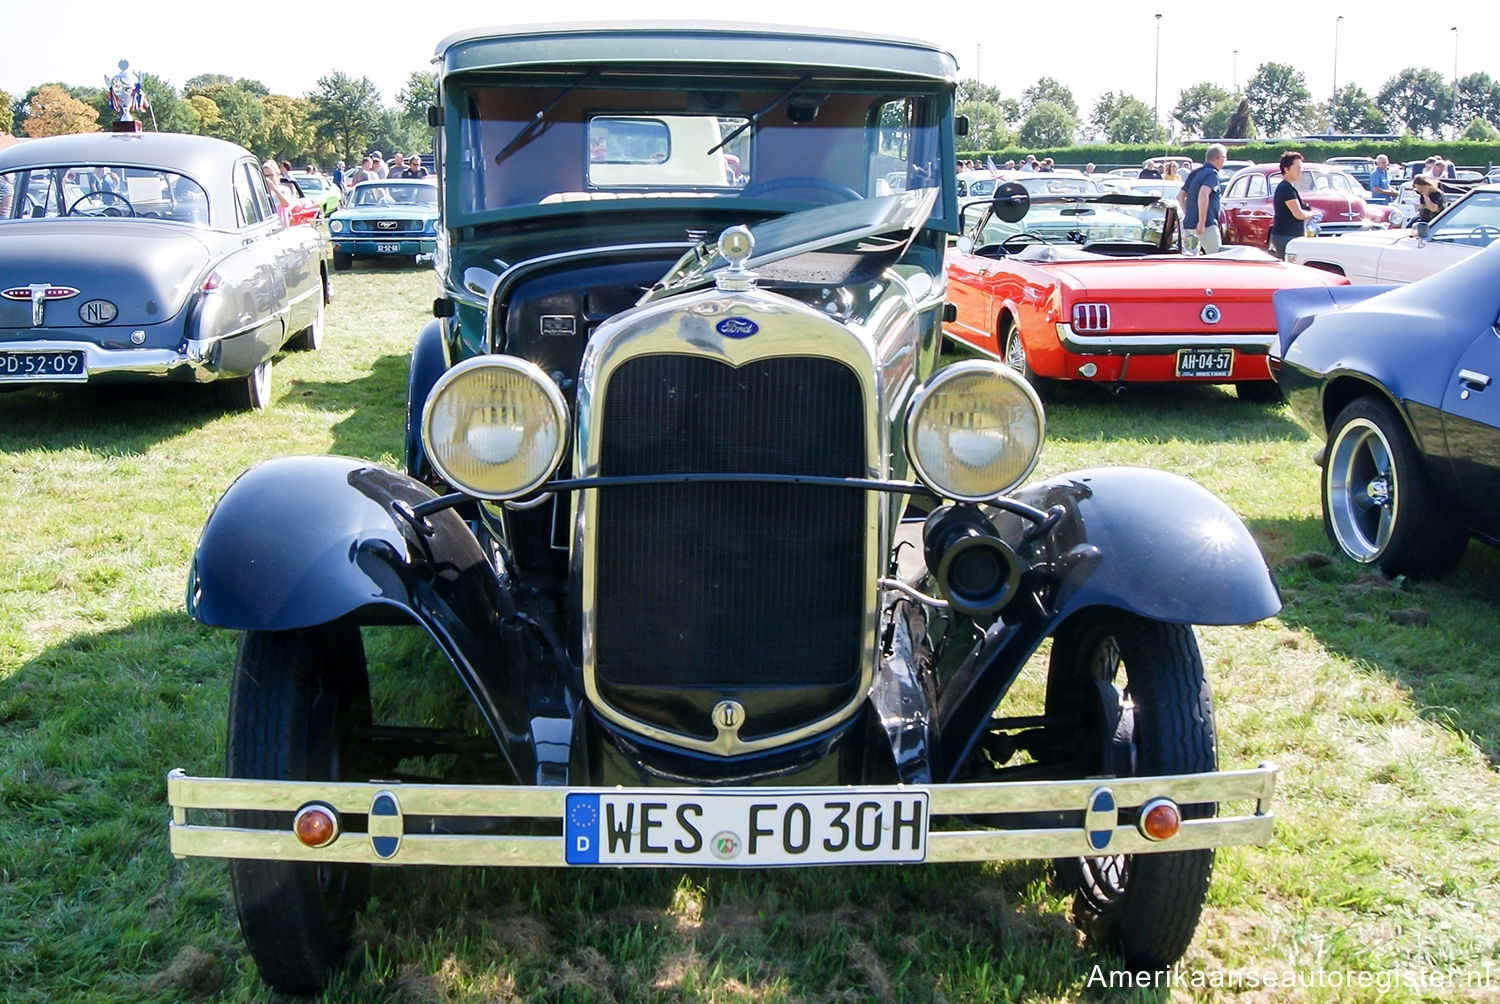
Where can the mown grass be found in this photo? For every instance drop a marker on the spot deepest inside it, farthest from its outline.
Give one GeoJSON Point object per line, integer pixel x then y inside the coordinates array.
{"type": "Point", "coordinates": [1379, 701]}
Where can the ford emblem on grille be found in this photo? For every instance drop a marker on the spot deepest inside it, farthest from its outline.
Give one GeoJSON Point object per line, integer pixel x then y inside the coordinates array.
{"type": "Point", "coordinates": [97, 312]}
{"type": "Point", "coordinates": [385, 225]}
{"type": "Point", "coordinates": [1210, 314]}
{"type": "Point", "coordinates": [736, 327]}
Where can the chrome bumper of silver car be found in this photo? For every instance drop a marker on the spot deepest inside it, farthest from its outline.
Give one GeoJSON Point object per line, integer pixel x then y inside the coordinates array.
{"type": "Point", "coordinates": [201, 358]}
{"type": "Point", "coordinates": [1146, 344]}
{"type": "Point", "coordinates": [957, 802]}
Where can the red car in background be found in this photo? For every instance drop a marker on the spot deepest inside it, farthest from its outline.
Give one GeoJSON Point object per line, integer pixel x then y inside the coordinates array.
{"type": "Point", "coordinates": [1117, 312]}
{"type": "Point", "coordinates": [1246, 208]}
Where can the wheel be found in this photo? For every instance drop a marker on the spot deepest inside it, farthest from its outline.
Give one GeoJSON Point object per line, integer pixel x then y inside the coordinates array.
{"type": "Point", "coordinates": [293, 700]}
{"type": "Point", "coordinates": [248, 393]}
{"type": "Point", "coordinates": [110, 204]}
{"type": "Point", "coordinates": [1136, 686]}
{"type": "Point", "coordinates": [342, 261]}
{"type": "Point", "coordinates": [1258, 391]}
{"type": "Point", "coordinates": [1015, 357]}
{"type": "Point", "coordinates": [810, 184]}
{"type": "Point", "coordinates": [1016, 243]}
{"type": "Point", "coordinates": [310, 339]}
{"type": "Point", "coordinates": [1379, 505]}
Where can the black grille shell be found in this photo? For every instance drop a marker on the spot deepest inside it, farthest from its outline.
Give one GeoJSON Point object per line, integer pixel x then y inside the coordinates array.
{"type": "Point", "coordinates": [727, 589]}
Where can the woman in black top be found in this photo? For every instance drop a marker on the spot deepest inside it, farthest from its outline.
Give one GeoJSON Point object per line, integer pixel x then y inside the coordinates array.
{"type": "Point", "coordinates": [1429, 198]}
{"type": "Point", "coordinates": [1291, 213]}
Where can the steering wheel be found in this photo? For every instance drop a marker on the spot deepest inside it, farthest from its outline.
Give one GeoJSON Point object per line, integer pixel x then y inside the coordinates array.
{"type": "Point", "coordinates": [823, 185]}
{"type": "Point", "coordinates": [1485, 232]}
{"type": "Point", "coordinates": [103, 195]}
{"type": "Point", "coordinates": [1016, 243]}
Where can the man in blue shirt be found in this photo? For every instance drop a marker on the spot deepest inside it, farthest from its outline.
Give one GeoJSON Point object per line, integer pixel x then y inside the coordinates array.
{"type": "Point", "coordinates": [1380, 181]}
{"type": "Point", "coordinates": [1199, 202]}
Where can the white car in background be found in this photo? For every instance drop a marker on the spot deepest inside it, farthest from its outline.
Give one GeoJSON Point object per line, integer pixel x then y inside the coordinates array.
{"type": "Point", "coordinates": [1405, 255]}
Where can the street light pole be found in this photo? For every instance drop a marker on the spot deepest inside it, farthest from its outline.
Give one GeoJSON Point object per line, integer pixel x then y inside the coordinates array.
{"type": "Point", "coordinates": [1236, 64]}
{"type": "Point", "coordinates": [1333, 106]}
{"type": "Point", "coordinates": [1456, 127]}
{"type": "Point", "coordinates": [1156, 91]}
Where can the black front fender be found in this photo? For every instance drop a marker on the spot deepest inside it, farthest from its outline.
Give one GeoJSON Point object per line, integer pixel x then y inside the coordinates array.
{"type": "Point", "coordinates": [1146, 541]}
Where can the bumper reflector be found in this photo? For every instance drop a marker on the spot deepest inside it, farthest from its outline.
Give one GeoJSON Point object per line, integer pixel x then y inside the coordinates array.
{"type": "Point", "coordinates": [1159, 819]}
{"type": "Point", "coordinates": [316, 825]}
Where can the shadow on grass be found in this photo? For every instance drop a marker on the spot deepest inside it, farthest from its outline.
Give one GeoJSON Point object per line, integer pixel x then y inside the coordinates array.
{"type": "Point", "coordinates": [376, 403]}
{"type": "Point", "coordinates": [124, 418]}
{"type": "Point", "coordinates": [1436, 639]}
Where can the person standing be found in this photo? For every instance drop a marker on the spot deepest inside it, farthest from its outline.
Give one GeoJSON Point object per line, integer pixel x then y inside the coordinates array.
{"type": "Point", "coordinates": [1292, 213]}
{"type": "Point", "coordinates": [414, 168]}
{"type": "Point", "coordinates": [338, 177]}
{"type": "Point", "coordinates": [1199, 199]}
{"type": "Point", "coordinates": [1381, 191]}
{"type": "Point", "coordinates": [1429, 198]}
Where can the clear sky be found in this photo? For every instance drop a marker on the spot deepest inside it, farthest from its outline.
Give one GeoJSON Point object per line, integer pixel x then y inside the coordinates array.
{"type": "Point", "coordinates": [1091, 46]}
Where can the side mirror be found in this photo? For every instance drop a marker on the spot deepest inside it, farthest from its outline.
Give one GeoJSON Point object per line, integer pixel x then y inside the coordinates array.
{"type": "Point", "coordinates": [1422, 228]}
{"type": "Point", "coordinates": [1011, 202]}
{"type": "Point", "coordinates": [961, 125]}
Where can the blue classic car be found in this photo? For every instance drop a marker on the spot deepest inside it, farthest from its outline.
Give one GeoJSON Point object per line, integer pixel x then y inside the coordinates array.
{"type": "Point", "coordinates": [394, 217]}
{"type": "Point", "coordinates": [150, 256]}
{"type": "Point", "coordinates": [1401, 383]}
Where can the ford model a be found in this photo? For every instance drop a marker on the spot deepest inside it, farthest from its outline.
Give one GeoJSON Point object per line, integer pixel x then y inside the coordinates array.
{"type": "Point", "coordinates": [733, 572]}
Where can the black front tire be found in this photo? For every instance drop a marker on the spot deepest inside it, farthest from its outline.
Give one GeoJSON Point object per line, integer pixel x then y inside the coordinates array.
{"type": "Point", "coordinates": [1138, 686]}
{"type": "Point", "coordinates": [294, 697]}
{"type": "Point", "coordinates": [342, 261]}
{"type": "Point", "coordinates": [1379, 505]}
{"type": "Point", "coordinates": [1013, 349]}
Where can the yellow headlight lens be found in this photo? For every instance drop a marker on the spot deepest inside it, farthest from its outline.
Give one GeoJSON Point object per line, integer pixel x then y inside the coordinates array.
{"type": "Point", "coordinates": [495, 427]}
{"type": "Point", "coordinates": [974, 431]}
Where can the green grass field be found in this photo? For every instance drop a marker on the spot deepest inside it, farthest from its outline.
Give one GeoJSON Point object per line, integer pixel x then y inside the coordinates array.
{"type": "Point", "coordinates": [1380, 702]}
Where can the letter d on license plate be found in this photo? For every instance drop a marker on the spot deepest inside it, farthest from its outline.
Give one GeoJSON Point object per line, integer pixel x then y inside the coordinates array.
{"type": "Point", "coordinates": [745, 828]}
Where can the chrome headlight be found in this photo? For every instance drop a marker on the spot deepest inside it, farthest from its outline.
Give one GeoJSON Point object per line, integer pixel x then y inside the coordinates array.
{"type": "Point", "coordinates": [336, 226]}
{"type": "Point", "coordinates": [974, 431]}
{"type": "Point", "coordinates": [495, 427]}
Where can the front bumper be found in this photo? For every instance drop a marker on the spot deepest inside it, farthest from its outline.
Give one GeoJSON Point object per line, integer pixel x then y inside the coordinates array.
{"type": "Point", "coordinates": [381, 246]}
{"type": "Point", "coordinates": [950, 803]}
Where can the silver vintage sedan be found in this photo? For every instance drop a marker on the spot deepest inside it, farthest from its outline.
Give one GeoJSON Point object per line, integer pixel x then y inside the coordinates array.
{"type": "Point", "coordinates": [151, 256]}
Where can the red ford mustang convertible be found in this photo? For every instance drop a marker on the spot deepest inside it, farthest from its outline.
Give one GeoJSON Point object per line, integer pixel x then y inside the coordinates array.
{"type": "Point", "coordinates": [1115, 311]}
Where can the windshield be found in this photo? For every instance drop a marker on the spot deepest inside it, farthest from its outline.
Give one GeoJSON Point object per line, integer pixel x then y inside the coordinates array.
{"type": "Point", "coordinates": [86, 191]}
{"type": "Point", "coordinates": [788, 142]}
{"type": "Point", "coordinates": [1474, 221]}
{"type": "Point", "coordinates": [1057, 185]}
{"type": "Point", "coordinates": [368, 194]}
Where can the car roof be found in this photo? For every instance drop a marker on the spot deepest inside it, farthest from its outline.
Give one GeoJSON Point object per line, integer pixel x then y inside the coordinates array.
{"type": "Point", "coordinates": [199, 157]}
{"type": "Point", "coordinates": [681, 43]}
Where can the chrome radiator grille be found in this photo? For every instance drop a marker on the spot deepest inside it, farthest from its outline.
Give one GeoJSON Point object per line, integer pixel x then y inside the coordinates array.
{"type": "Point", "coordinates": [730, 586]}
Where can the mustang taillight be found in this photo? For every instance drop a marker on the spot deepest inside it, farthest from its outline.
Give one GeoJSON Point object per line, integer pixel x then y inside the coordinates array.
{"type": "Point", "coordinates": [1090, 317]}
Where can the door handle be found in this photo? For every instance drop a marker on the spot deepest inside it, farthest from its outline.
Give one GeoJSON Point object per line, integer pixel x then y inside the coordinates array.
{"type": "Point", "coordinates": [1477, 381]}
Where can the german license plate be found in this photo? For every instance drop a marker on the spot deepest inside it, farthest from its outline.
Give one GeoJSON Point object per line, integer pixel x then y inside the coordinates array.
{"type": "Point", "coordinates": [1205, 362]}
{"type": "Point", "coordinates": [61, 364]}
{"type": "Point", "coordinates": [387, 248]}
{"type": "Point", "coordinates": [746, 828]}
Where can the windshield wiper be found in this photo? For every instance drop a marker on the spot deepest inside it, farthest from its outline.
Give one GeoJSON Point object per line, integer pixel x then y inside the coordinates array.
{"type": "Point", "coordinates": [754, 119]}
{"type": "Point", "coordinates": [541, 113]}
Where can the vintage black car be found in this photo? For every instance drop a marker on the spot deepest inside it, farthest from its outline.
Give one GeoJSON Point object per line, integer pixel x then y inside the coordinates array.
{"type": "Point", "coordinates": [1400, 382]}
{"type": "Point", "coordinates": [150, 256]}
{"type": "Point", "coordinates": [725, 561]}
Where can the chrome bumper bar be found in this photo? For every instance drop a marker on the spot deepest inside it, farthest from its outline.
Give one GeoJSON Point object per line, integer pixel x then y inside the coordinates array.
{"type": "Point", "coordinates": [1253, 342]}
{"type": "Point", "coordinates": [208, 839]}
{"type": "Point", "coordinates": [200, 357]}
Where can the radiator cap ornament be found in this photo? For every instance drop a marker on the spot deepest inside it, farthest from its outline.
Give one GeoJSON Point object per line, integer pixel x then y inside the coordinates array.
{"type": "Point", "coordinates": [735, 245]}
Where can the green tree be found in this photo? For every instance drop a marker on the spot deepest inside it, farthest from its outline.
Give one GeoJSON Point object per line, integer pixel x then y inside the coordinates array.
{"type": "Point", "coordinates": [1280, 99]}
{"type": "Point", "coordinates": [1049, 125]}
{"type": "Point", "coordinates": [1048, 90]}
{"type": "Point", "coordinates": [1131, 122]}
{"type": "Point", "coordinates": [1478, 96]}
{"type": "Point", "coordinates": [1195, 104]}
{"type": "Point", "coordinates": [286, 133]}
{"type": "Point", "coordinates": [240, 117]}
{"type": "Point", "coordinates": [205, 112]}
{"type": "Point", "coordinates": [1416, 99]}
{"type": "Point", "coordinates": [7, 113]}
{"type": "Point", "coordinates": [345, 112]}
{"type": "Point", "coordinates": [990, 115]}
{"type": "Point", "coordinates": [420, 91]}
{"type": "Point", "coordinates": [1356, 111]}
{"type": "Point", "coordinates": [168, 111]}
{"type": "Point", "coordinates": [1479, 129]}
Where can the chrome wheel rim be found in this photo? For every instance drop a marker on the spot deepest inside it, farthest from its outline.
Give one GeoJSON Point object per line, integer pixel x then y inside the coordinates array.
{"type": "Point", "coordinates": [1361, 499]}
{"type": "Point", "coordinates": [1015, 352]}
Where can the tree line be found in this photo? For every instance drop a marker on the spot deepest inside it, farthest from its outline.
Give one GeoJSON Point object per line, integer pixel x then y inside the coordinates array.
{"type": "Point", "coordinates": [1275, 101]}
{"type": "Point", "coordinates": [342, 119]}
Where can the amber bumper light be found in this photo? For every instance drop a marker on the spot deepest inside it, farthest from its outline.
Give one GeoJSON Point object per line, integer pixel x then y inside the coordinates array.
{"type": "Point", "coordinates": [316, 825]}
{"type": "Point", "coordinates": [1159, 819]}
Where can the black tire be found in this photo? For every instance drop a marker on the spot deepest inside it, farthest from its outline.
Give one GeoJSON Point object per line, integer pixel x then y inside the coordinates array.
{"type": "Point", "coordinates": [1139, 686]}
{"type": "Point", "coordinates": [1379, 505]}
{"type": "Point", "coordinates": [310, 339]}
{"type": "Point", "coordinates": [342, 261]}
{"type": "Point", "coordinates": [247, 393]}
{"type": "Point", "coordinates": [293, 699]}
{"type": "Point", "coordinates": [1258, 392]}
{"type": "Point", "coordinates": [1013, 353]}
